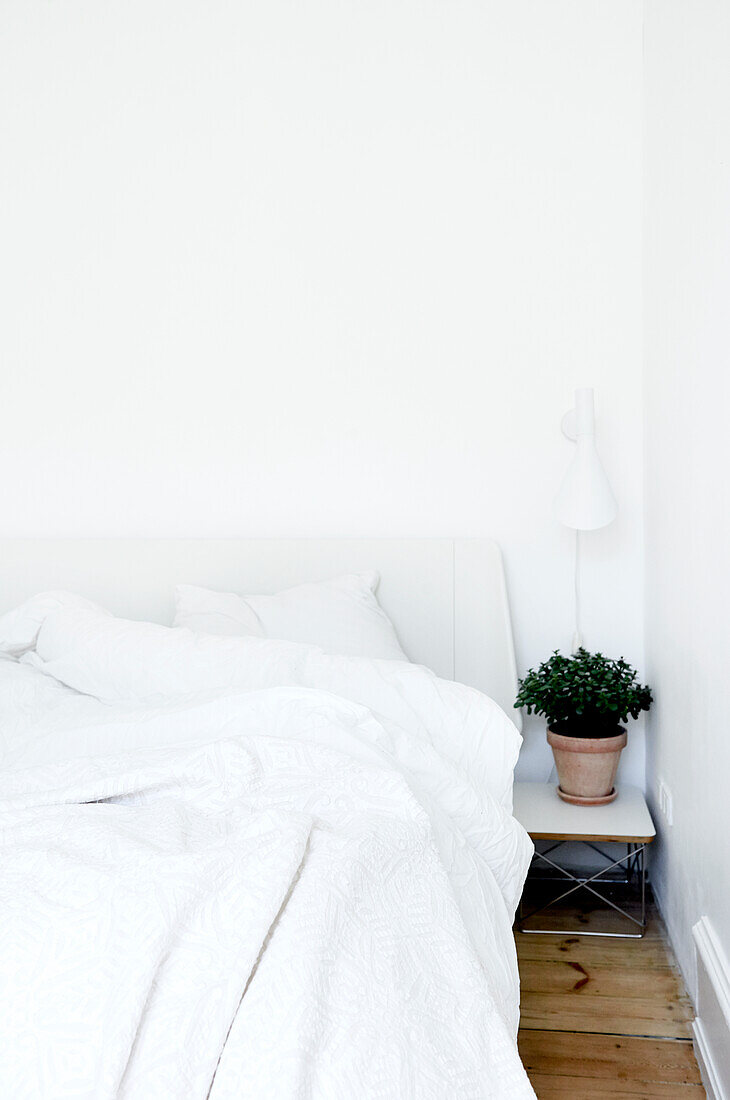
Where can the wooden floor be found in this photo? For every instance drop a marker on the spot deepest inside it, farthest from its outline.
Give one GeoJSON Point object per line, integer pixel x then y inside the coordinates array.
{"type": "Point", "coordinates": [605, 1018]}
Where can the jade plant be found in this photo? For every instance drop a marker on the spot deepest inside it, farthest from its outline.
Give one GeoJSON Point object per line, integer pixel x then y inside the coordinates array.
{"type": "Point", "coordinates": [584, 695]}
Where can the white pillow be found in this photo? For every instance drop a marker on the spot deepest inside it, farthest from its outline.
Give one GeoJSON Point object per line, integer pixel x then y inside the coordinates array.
{"type": "Point", "coordinates": [19, 627]}
{"type": "Point", "coordinates": [341, 616]}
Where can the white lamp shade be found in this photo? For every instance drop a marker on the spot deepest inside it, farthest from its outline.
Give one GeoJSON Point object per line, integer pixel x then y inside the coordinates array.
{"type": "Point", "coordinates": [585, 500]}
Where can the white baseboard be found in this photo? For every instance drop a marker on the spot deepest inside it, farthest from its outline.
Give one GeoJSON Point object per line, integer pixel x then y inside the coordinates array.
{"type": "Point", "coordinates": [712, 1026]}
{"type": "Point", "coordinates": [705, 1061]}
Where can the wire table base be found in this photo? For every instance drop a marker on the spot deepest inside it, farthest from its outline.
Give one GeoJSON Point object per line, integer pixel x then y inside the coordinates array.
{"type": "Point", "coordinates": [633, 863]}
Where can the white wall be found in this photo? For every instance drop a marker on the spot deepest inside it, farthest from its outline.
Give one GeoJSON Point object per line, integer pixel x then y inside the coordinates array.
{"type": "Point", "coordinates": [687, 398]}
{"type": "Point", "coordinates": [327, 268]}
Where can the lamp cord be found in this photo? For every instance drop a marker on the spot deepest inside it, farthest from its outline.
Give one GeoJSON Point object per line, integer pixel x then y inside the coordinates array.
{"type": "Point", "coordinates": [577, 636]}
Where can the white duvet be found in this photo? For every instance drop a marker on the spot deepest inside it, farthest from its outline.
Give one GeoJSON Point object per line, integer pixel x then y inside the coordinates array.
{"type": "Point", "coordinates": [234, 867]}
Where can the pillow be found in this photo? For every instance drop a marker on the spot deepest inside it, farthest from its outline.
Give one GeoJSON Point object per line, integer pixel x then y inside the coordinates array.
{"type": "Point", "coordinates": [19, 627]}
{"type": "Point", "coordinates": [341, 616]}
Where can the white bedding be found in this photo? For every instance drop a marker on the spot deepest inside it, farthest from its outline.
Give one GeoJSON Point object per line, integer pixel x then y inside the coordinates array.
{"type": "Point", "coordinates": [340, 616]}
{"type": "Point", "coordinates": [252, 871]}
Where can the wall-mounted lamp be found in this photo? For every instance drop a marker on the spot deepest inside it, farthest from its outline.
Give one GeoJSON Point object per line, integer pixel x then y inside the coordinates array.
{"type": "Point", "coordinates": [585, 501]}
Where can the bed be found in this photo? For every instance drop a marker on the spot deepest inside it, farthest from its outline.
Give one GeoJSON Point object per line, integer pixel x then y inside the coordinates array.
{"type": "Point", "coordinates": [236, 864]}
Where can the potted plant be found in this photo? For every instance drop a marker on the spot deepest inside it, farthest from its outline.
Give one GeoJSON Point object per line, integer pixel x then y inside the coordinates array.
{"type": "Point", "coordinates": [585, 698]}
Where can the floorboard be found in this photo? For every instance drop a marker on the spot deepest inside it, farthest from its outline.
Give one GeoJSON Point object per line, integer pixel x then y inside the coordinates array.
{"type": "Point", "coordinates": [586, 1088]}
{"type": "Point", "coordinates": [605, 1017]}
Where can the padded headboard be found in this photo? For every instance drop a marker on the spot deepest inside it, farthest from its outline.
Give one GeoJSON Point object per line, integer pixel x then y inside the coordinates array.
{"type": "Point", "coordinates": [446, 597]}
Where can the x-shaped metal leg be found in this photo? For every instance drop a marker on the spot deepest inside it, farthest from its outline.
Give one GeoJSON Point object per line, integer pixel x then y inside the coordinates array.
{"type": "Point", "coordinates": [634, 861]}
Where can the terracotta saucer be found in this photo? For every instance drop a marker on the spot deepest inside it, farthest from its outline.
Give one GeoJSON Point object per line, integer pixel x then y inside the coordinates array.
{"type": "Point", "coordinates": [579, 800]}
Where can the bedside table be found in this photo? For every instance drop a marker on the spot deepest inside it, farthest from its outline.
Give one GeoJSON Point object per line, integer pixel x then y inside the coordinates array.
{"type": "Point", "coordinates": [625, 821]}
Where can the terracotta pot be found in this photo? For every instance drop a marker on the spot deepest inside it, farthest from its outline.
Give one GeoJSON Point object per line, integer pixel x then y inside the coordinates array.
{"type": "Point", "coordinates": [586, 766]}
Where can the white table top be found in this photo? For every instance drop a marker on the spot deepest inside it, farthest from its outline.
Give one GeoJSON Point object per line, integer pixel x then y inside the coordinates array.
{"type": "Point", "coordinates": [545, 816]}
